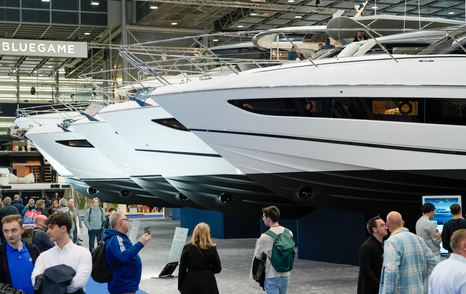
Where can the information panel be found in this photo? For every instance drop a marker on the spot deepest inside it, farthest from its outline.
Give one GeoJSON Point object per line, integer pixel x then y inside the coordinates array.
{"type": "Point", "coordinates": [179, 240]}
{"type": "Point", "coordinates": [23, 47]}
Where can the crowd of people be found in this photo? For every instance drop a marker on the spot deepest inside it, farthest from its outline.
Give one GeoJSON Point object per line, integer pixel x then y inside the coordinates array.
{"type": "Point", "coordinates": [411, 263]}
{"type": "Point", "coordinates": [45, 256]}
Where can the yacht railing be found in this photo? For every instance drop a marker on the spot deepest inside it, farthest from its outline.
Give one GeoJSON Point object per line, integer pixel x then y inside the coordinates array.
{"type": "Point", "coordinates": [199, 61]}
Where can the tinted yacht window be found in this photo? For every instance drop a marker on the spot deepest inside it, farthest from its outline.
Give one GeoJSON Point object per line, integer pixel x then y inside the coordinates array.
{"type": "Point", "coordinates": [446, 111]}
{"type": "Point", "coordinates": [396, 109]}
{"type": "Point", "coordinates": [286, 106]}
{"type": "Point", "coordinates": [75, 143]}
{"type": "Point", "coordinates": [171, 123]}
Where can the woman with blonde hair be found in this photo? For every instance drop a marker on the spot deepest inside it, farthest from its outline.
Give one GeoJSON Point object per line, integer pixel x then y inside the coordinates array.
{"type": "Point", "coordinates": [198, 264]}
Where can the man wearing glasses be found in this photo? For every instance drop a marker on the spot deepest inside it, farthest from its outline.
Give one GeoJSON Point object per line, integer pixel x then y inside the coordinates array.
{"type": "Point", "coordinates": [122, 256]}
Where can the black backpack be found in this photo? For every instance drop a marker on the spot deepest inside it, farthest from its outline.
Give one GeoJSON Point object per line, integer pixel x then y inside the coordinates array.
{"type": "Point", "coordinates": [101, 271]}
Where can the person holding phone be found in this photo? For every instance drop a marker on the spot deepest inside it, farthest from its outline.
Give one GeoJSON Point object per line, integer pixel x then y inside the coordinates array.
{"type": "Point", "coordinates": [122, 256]}
{"type": "Point", "coordinates": [198, 264]}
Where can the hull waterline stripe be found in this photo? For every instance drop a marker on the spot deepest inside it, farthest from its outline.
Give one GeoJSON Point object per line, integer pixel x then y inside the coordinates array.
{"type": "Point", "coordinates": [370, 145]}
{"type": "Point", "coordinates": [180, 152]}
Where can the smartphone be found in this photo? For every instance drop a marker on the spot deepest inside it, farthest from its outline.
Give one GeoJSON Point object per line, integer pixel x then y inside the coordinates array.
{"type": "Point", "coordinates": [147, 230]}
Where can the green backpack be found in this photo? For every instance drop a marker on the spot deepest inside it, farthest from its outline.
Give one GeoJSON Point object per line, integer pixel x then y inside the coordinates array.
{"type": "Point", "coordinates": [283, 253]}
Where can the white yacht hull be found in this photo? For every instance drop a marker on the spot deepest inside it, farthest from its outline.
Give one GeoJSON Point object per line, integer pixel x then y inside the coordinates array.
{"type": "Point", "coordinates": [90, 167]}
{"type": "Point", "coordinates": [103, 137]}
{"type": "Point", "coordinates": [189, 165]}
{"type": "Point", "coordinates": [327, 162]}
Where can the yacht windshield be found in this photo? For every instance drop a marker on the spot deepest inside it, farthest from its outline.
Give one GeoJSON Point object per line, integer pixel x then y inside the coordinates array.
{"type": "Point", "coordinates": [448, 45]}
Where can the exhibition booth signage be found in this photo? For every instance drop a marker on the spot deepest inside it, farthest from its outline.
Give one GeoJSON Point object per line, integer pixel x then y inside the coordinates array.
{"type": "Point", "coordinates": [22, 47]}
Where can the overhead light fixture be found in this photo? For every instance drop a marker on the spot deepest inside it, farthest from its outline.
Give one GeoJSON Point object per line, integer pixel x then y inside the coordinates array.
{"type": "Point", "coordinates": [253, 14]}
{"type": "Point", "coordinates": [451, 12]}
{"type": "Point", "coordinates": [153, 6]}
{"type": "Point", "coordinates": [87, 33]}
{"type": "Point", "coordinates": [95, 3]}
{"type": "Point", "coordinates": [46, 1]}
{"type": "Point", "coordinates": [240, 26]}
{"type": "Point", "coordinates": [298, 16]}
{"type": "Point", "coordinates": [215, 40]}
{"type": "Point", "coordinates": [174, 23]}
{"type": "Point", "coordinates": [290, 1]}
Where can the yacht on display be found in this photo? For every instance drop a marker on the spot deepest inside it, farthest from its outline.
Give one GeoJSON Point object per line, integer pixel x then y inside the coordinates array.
{"type": "Point", "coordinates": [187, 163]}
{"type": "Point", "coordinates": [353, 133]}
{"type": "Point", "coordinates": [87, 165]}
{"type": "Point", "coordinates": [111, 145]}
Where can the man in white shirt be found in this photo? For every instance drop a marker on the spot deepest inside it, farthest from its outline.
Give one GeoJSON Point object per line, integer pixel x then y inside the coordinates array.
{"type": "Point", "coordinates": [449, 276]}
{"type": "Point", "coordinates": [275, 282]}
{"type": "Point", "coordinates": [64, 252]}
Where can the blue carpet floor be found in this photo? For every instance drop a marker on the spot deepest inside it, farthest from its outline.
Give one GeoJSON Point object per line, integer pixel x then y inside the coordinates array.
{"type": "Point", "coordinates": [93, 287]}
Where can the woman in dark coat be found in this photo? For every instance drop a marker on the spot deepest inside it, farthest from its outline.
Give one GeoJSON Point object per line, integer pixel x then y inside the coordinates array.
{"type": "Point", "coordinates": [198, 264]}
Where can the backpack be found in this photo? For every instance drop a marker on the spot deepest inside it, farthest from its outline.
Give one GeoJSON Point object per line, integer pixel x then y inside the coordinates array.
{"type": "Point", "coordinates": [283, 254]}
{"type": "Point", "coordinates": [101, 271]}
{"type": "Point", "coordinates": [28, 235]}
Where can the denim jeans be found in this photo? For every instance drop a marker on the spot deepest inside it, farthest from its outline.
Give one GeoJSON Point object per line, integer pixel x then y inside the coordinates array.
{"type": "Point", "coordinates": [277, 285]}
{"type": "Point", "coordinates": [92, 235]}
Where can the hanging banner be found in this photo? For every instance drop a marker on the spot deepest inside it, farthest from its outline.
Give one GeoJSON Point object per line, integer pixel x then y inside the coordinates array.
{"type": "Point", "coordinates": [21, 47]}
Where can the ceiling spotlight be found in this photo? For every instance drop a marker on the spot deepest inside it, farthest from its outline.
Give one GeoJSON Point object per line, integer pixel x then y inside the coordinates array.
{"type": "Point", "coordinates": [174, 23]}
{"type": "Point", "coordinates": [95, 3]}
{"type": "Point", "coordinates": [451, 12]}
{"type": "Point", "coordinates": [240, 26]}
{"type": "Point", "coordinates": [253, 14]}
{"type": "Point", "coordinates": [87, 33]}
{"type": "Point", "coordinates": [298, 16]}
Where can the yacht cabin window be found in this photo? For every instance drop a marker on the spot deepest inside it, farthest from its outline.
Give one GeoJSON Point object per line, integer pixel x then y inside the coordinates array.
{"type": "Point", "coordinates": [75, 143]}
{"type": "Point", "coordinates": [420, 110]}
{"type": "Point", "coordinates": [171, 123]}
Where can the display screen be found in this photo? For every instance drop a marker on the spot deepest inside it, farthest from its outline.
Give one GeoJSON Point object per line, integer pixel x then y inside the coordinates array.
{"type": "Point", "coordinates": [442, 211]}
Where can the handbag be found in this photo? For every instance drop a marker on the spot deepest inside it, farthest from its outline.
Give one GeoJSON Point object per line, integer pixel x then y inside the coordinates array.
{"type": "Point", "coordinates": [258, 270]}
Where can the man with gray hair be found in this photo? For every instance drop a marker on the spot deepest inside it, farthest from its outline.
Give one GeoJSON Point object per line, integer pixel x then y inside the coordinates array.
{"type": "Point", "coordinates": [122, 256]}
{"type": "Point", "coordinates": [407, 261]}
{"type": "Point", "coordinates": [94, 219]}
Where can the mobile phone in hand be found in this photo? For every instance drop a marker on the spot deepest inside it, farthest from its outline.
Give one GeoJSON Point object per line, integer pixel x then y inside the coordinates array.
{"type": "Point", "coordinates": [147, 230]}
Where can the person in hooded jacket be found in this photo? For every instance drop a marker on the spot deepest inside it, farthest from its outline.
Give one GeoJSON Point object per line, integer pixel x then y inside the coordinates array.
{"type": "Point", "coordinates": [122, 256]}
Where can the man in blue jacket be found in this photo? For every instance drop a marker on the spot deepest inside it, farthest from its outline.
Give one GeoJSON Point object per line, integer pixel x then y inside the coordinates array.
{"type": "Point", "coordinates": [122, 256]}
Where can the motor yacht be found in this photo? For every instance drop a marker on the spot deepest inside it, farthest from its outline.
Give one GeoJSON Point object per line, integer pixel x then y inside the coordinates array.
{"type": "Point", "coordinates": [187, 163]}
{"type": "Point", "coordinates": [87, 164]}
{"type": "Point", "coordinates": [117, 151]}
{"type": "Point", "coordinates": [354, 133]}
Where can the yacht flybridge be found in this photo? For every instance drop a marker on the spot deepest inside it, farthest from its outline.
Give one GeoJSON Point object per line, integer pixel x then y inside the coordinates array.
{"type": "Point", "coordinates": [351, 133]}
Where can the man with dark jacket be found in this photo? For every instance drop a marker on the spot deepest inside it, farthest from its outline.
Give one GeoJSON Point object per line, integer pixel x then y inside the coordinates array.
{"type": "Point", "coordinates": [456, 223]}
{"type": "Point", "coordinates": [17, 258]}
{"type": "Point", "coordinates": [371, 257]}
{"type": "Point", "coordinates": [18, 203]}
{"type": "Point", "coordinates": [7, 208]}
{"type": "Point", "coordinates": [122, 256]}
